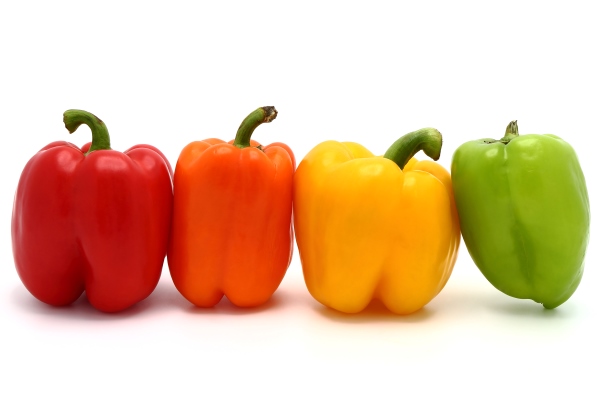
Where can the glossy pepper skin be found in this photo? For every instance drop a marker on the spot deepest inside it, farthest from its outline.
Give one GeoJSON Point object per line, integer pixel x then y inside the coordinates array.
{"type": "Point", "coordinates": [232, 230]}
{"type": "Point", "coordinates": [371, 227]}
{"type": "Point", "coordinates": [524, 213]}
{"type": "Point", "coordinates": [95, 221]}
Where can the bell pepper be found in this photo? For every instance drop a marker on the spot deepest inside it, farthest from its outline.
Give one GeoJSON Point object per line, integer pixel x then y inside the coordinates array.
{"type": "Point", "coordinates": [232, 228]}
{"type": "Point", "coordinates": [92, 219]}
{"type": "Point", "coordinates": [375, 227]}
{"type": "Point", "coordinates": [524, 213]}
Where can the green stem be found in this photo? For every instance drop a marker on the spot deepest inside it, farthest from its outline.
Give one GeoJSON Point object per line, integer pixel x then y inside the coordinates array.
{"type": "Point", "coordinates": [512, 131]}
{"type": "Point", "coordinates": [100, 138]}
{"type": "Point", "coordinates": [251, 122]}
{"type": "Point", "coordinates": [427, 139]}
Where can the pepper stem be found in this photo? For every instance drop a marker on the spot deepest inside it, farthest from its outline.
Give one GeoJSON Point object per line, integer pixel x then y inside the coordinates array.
{"type": "Point", "coordinates": [251, 122]}
{"type": "Point", "coordinates": [512, 131]}
{"type": "Point", "coordinates": [100, 138]}
{"type": "Point", "coordinates": [427, 139]}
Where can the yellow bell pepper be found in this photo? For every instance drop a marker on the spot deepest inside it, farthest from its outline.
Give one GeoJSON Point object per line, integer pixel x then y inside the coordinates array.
{"type": "Point", "coordinates": [375, 227]}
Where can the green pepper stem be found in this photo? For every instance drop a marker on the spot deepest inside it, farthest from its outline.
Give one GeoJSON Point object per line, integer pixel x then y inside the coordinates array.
{"type": "Point", "coordinates": [512, 131]}
{"type": "Point", "coordinates": [427, 139]}
{"type": "Point", "coordinates": [100, 138]}
{"type": "Point", "coordinates": [251, 122]}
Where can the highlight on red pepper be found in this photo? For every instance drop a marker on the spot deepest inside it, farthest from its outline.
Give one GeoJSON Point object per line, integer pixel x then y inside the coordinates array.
{"type": "Point", "coordinates": [232, 217]}
{"type": "Point", "coordinates": [92, 219]}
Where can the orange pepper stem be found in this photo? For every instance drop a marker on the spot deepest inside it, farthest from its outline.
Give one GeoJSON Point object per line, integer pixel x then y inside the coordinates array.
{"type": "Point", "coordinates": [251, 122]}
{"type": "Point", "coordinates": [100, 138]}
{"type": "Point", "coordinates": [427, 139]}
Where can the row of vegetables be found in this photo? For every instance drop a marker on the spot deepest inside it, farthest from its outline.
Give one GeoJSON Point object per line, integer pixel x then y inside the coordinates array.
{"type": "Point", "coordinates": [101, 221]}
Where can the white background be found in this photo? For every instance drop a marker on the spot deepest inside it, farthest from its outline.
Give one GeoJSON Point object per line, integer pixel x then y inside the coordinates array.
{"type": "Point", "coordinates": [168, 73]}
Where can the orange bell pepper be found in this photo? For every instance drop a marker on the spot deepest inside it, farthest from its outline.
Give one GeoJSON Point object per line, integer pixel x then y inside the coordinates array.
{"type": "Point", "coordinates": [375, 228]}
{"type": "Point", "coordinates": [232, 220]}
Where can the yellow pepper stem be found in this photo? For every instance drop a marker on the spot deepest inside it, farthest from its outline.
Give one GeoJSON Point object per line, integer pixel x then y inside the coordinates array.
{"type": "Point", "coordinates": [427, 139]}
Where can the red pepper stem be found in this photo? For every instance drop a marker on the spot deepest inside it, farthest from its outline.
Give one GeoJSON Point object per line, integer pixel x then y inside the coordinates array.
{"type": "Point", "coordinates": [251, 122]}
{"type": "Point", "coordinates": [427, 139]}
{"type": "Point", "coordinates": [100, 138]}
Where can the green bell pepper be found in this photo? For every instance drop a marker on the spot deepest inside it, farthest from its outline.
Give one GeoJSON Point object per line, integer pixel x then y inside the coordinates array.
{"type": "Point", "coordinates": [524, 213]}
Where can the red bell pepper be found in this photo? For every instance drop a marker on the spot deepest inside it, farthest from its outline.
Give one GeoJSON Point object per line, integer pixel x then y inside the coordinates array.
{"type": "Point", "coordinates": [92, 219]}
